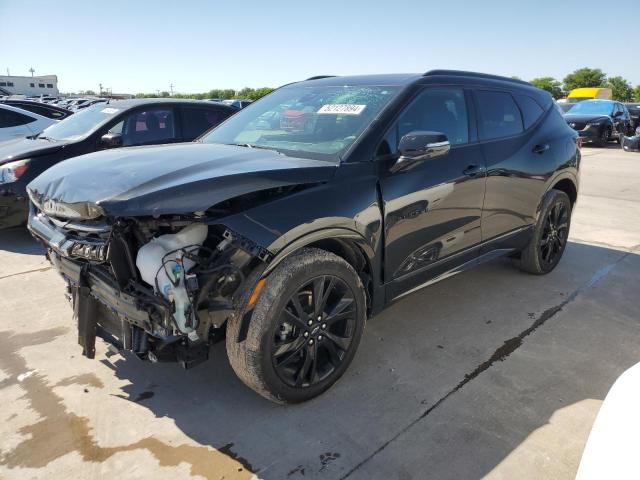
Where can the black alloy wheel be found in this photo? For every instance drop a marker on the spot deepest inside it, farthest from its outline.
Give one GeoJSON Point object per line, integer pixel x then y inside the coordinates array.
{"type": "Point", "coordinates": [318, 323]}
{"type": "Point", "coordinates": [303, 330]}
{"type": "Point", "coordinates": [554, 234]}
{"type": "Point", "coordinates": [550, 235]}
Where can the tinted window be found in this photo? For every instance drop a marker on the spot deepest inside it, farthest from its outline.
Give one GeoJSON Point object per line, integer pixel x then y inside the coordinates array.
{"type": "Point", "coordinates": [438, 110]}
{"type": "Point", "coordinates": [498, 116]}
{"type": "Point", "coordinates": [13, 119]}
{"type": "Point", "coordinates": [196, 121]}
{"type": "Point", "coordinates": [530, 109]}
{"type": "Point", "coordinates": [435, 109]}
{"type": "Point", "coordinates": [151, 126]}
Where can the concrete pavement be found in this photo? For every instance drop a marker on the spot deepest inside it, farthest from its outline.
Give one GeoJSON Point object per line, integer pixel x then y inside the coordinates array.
{"type": "Point", "coordinates": [493, 373]}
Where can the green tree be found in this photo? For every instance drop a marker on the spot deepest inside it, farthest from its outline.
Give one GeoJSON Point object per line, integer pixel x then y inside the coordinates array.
{"type": "Point", "coordinates": [549, 84]}
{"type": "Point", "coordinates": [621, 89]}
{"type": "Point", "coordinates": [585, 77]}
{"type": "Point", "coordinates": [636, 93]}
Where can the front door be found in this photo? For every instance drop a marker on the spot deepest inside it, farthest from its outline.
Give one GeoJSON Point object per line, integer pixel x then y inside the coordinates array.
{"type": "Point", "coordinates": [432, 212]}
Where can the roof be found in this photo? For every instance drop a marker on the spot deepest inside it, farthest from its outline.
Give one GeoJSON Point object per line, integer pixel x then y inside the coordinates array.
{"type": "Point", "coordinates": [409, 78]}
{"type": "Point", "coordinates": [135, 102]}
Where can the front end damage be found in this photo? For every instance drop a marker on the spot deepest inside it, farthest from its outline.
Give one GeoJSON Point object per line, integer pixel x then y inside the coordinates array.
{"type": "Point", "coordinates": [162, 288]}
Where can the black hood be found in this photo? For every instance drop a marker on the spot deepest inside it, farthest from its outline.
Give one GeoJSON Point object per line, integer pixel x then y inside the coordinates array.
{"type": "Point", "coordinates": [20, 148]}
{"type": "Point", "coordinates": [583, 118]}
{"type": "Point", "coordinates": [171, 179]}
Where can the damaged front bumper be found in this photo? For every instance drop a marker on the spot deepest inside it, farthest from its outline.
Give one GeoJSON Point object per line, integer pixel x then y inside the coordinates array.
{"type": "Point", "coordinates": [130, 315]}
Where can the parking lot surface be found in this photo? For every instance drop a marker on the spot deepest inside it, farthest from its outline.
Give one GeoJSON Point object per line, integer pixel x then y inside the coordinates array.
{"type": "Point", "coordinates": [493, 373]}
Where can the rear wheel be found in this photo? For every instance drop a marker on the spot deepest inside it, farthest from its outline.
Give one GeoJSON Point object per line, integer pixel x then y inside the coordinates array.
{"type": "Point", "coordinates": [550, 235]}
{"type": "Point", "coordinates": [304, 330]}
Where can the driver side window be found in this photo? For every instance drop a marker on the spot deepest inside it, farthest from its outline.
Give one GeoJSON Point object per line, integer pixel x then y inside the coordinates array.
{"type": "Point", "coordinates": [434, 109]}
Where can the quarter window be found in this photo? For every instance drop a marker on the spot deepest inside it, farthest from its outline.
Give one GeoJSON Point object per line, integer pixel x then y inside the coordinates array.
{"type": "Point", "coordinates": [530, 109]}
{"type": "Point", "coordinates": [498, 115]}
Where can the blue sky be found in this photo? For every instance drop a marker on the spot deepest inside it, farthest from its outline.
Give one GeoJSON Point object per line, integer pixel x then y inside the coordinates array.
{"type": "Point", "coordinates": [135, 46]}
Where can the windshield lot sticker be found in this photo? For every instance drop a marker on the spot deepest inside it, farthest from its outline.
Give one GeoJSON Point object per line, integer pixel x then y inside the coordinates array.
{"type": "Point", "coordinates": [342, 109]}
{"type": "Point", "coordinates": [109, 110]}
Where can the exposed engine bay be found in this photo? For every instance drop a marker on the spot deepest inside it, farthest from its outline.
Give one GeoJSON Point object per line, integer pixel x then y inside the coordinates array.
{"type": "Point", "coordinates": [162, 288]}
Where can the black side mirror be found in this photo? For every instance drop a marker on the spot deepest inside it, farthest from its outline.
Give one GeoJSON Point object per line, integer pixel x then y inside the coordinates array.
{"type": "Point", "coordinates": [111, 140]}
{"type": "Point", "coordinates": [418, 146]}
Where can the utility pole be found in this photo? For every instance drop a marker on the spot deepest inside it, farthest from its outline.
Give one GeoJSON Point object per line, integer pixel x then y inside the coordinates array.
{"type": "Point", "coordinates": [100, 85]}
{"type": "Point", "coordinates": [32, 71]}
{"type": "Point", "coordinates": [171, 88]}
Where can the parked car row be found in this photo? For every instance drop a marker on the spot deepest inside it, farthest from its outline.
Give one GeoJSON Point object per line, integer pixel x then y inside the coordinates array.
{"type": "Point", "coordinates": [122, 123]}
{"type": "Point", "coordinates": [288, 225]}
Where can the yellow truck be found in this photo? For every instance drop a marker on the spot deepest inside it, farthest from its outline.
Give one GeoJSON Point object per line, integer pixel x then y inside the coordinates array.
{"type": "Point", "coordinates": [589, 93]}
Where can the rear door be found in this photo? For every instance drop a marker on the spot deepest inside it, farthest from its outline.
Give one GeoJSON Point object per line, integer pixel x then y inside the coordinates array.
{"type": "Point", "coordinates": [519, 154]}
{"type": "Point", "coordinates": [432, 212]}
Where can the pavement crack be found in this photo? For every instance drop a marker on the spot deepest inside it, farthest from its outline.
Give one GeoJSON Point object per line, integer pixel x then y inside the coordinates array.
{"type": "Point", "coordinates": [41, 269]}
{"type": "Point", "coordinates": [506, 349]}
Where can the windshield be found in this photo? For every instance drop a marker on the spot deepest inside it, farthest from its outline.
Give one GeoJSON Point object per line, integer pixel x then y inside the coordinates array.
{"type": "Point", "coordinates": [592, 108]}
{"type": "Point", "coordinates": [80, 124]}
{"type": "Point", "coordinates": [319, 122]}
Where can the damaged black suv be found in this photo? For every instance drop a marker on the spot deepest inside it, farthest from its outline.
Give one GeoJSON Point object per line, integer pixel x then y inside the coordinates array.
{"type": "Point", "coordinates": [304, 214]}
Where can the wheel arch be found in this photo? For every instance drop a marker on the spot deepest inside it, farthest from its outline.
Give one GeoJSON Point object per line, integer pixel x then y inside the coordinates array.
{"type": "Point", "coordinates": [346, 244]}
{"type": "Point", "coordinates": [567, 186]}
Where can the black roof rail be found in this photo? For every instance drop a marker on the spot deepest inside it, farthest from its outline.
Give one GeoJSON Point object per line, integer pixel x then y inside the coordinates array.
{"type": "Point", "coordinates": [318, 77]}
{"type": "Point", "coordinates": [462, 73]}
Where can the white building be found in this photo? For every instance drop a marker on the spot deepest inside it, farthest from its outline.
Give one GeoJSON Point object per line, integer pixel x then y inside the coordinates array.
{"type": "Point", "coordinates": [30, 86]}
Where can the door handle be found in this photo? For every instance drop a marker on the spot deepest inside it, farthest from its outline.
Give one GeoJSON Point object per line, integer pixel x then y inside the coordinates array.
{"type": "Point", "coordinates": [472, 170]}
{"type": "Point", "coordinates": [541, 148]}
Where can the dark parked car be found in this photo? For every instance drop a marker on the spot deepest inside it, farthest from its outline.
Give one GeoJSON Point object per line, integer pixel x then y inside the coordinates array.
{"type": "Point", "coordinates": [291, 239]}
{"type": "Point", "coordinates": [119, 123]}
{"type": "Point", "coordinates": [599, 121]}
{"type": "Point", "coordinates": [238, 103]}
{"type": "Point", "coordinates": [634, 112]}
{"type": "Point", "coordinates": [44, 109]}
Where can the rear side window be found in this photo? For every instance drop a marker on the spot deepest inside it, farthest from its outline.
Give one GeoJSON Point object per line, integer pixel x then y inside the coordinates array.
{"type": "Point", "coordinates": [498, 115]}
{"type": "Point", "coordinates": [13, 119]}
{"type": "Point", "coordinates": [530, 109]}
{"type": "Point", "coordinates": [196, 121]}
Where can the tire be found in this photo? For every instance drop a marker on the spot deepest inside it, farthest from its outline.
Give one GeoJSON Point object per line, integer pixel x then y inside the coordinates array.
{"type": "Point", "coordinates": [276, 325]}
{"type": "Point", "coordinates": [605, 137]}
{"type": "Point", "coordinates": [548, 237]}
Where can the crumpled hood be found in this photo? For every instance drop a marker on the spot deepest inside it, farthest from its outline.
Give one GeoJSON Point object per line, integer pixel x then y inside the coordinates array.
{"type": "Point", "coordinates": [172, 179]}
{"type": "Point", "coordinates": [583, 118]}
{"type": "Point", "coordinates": [17, 149]}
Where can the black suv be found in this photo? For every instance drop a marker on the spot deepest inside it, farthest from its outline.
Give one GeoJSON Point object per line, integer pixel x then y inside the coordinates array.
{"type": "Point", "coordinates": [107, 125]}
{"type": "Point", "coordinates": [303, 215]}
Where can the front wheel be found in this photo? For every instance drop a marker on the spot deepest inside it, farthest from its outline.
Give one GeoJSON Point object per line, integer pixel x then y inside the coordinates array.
{"type": "Point", "coordinates": [550, 235]}
{"type": "Point", "coordinates": [304, 330]}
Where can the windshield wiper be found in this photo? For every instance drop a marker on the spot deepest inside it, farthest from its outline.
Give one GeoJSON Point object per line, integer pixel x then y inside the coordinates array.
{"type": "Point", "coordinates": [260, 147]}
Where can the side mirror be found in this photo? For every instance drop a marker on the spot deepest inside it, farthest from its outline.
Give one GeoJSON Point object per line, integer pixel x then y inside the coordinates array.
{"type": "Point", "coordinates": [618, 114]}
{"type": "Point", "coordinates": [418, 146]}
{"type": "Point", "coordinates": [111, 140]}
